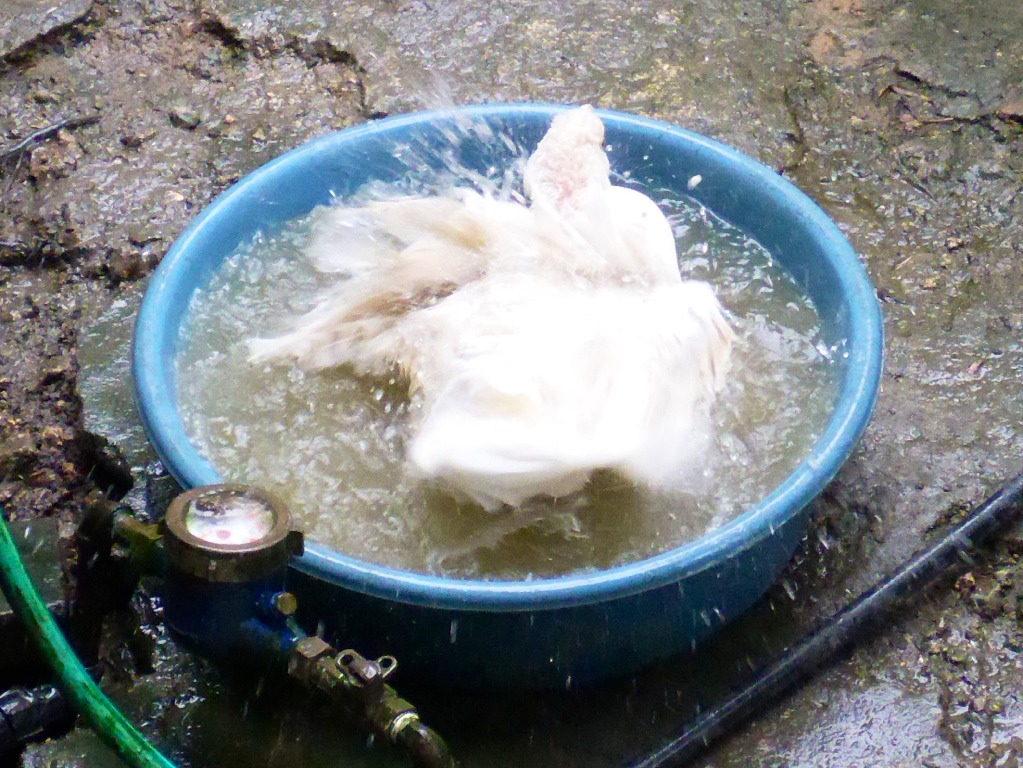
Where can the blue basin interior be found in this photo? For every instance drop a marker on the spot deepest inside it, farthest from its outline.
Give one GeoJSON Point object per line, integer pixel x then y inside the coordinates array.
{"type": "Point", "coordinates": [576, 628]}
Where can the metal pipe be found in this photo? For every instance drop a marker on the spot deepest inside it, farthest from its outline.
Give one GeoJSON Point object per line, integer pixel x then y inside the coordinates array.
{"type": "Point", "coordinates": [359, 686]}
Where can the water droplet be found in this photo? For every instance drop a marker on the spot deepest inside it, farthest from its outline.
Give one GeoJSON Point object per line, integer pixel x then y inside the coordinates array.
{"type": "Point", "coordinates": [789, 587]}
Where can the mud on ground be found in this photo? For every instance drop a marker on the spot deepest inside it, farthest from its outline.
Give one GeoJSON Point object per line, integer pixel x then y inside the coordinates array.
{"type": "Point", "coordinates": [162, 112]}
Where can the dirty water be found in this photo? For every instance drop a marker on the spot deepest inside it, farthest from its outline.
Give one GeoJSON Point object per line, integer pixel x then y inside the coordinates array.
{"type": "Point", "coordinates": [330, 441]}
{"type": "Point", "coordinates": [902, 118]}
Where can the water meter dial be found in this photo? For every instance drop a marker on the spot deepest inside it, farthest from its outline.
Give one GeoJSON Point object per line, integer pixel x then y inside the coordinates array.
{"type": "Point", "coordinates": [229, 533]}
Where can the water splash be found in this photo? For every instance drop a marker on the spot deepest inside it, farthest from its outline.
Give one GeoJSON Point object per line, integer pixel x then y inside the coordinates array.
{"type": "Point", "coordinates": [332, 443]}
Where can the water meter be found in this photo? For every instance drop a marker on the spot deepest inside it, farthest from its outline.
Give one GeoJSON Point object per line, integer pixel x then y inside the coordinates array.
{"type": "Point", "coordinates": [223, 552]}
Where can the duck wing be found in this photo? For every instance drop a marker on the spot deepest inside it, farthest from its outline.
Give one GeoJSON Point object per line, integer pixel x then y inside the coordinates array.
{"type": "Point", "coordinates": [399, 257]}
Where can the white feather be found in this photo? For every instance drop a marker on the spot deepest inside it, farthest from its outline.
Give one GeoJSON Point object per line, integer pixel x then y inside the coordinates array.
{"type": "Point", "coordinates": [546, 342]}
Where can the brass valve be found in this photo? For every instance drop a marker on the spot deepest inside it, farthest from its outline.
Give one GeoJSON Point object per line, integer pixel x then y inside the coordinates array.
{"type": "Point", "coordinates": [359, 685]}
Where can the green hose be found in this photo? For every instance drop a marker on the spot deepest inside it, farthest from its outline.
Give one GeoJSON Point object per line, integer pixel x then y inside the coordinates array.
{"type": "Point", "coordinates": [73, 679]}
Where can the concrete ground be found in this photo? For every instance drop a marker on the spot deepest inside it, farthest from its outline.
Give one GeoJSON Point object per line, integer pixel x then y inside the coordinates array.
{"type": "Point", "coordinates": [902, 118]}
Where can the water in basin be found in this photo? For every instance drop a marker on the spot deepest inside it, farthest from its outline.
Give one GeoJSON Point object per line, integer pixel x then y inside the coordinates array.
{"type": "Point", "coordinates": [331, 443]}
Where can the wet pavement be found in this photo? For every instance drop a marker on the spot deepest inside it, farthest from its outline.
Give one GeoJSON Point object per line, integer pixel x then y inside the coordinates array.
{"type": "Point", "coordinates": [25, 21]}
{"type": "Point", "coordinates": [902, 118]}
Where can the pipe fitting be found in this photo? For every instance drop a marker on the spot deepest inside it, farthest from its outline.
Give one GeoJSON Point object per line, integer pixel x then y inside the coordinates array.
{"type": "Point", "coordinates": [359, 685]}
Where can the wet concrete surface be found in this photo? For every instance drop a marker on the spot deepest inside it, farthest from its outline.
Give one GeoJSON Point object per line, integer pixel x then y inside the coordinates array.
{"type": "Point", "coordinates": [902, 118]}
{"type": "Point", "coordinates": [24, 21]}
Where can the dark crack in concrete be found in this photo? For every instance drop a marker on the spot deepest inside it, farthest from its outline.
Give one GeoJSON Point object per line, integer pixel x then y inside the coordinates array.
{"type": "Point", "coordinates": [24, 21]}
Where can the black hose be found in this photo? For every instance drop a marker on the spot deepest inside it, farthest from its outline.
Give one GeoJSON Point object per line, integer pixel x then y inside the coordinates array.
{"type": "Point", "coordinates": [824, 643]}
{"type": "Point", "coordinates": [75, 681]}
{"type": "Point", "coordinates": [29, 714]}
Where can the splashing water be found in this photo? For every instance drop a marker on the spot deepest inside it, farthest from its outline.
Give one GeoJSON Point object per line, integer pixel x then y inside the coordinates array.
{"type": "Point", "coordinates": [331, 443]}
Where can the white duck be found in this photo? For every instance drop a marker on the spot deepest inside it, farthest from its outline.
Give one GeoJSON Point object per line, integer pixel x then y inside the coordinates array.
{"type": "Point", "coordinates": [546, 342]}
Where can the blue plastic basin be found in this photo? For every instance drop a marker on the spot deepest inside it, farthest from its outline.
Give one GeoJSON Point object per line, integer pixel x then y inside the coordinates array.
{"type": "Point", "coordinates": [578, 628]}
